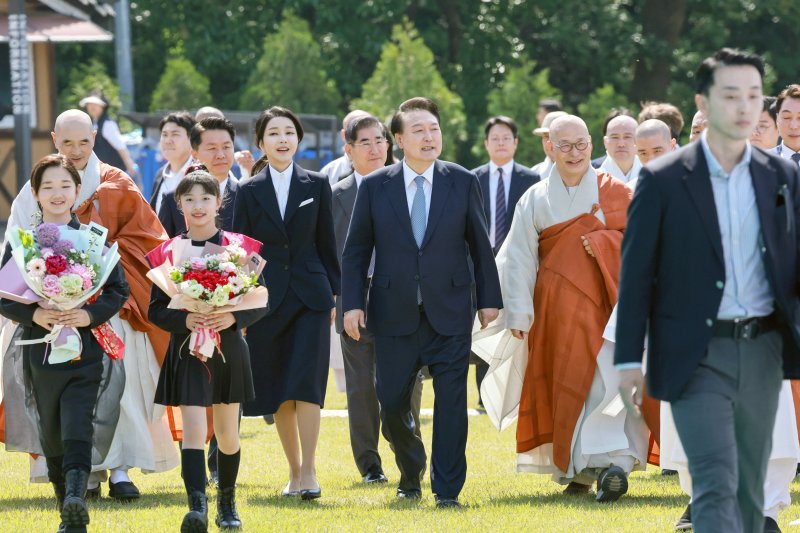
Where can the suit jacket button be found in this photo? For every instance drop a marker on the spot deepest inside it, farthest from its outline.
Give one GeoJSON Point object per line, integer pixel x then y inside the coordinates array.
{"type": "Point", "coordinates": [420, 254]}
{"type": "Point", "coordinates": [286, 267]}
{"type": "Point", "coordinates": [709, 322]}
{"type": "Point", "coordinates": [416, 278]}
{"type": "Point", "coordinates": [720, 285]}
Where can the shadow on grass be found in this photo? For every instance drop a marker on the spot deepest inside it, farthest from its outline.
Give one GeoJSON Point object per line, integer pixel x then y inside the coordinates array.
{"type": "Point", "coordinates": [162, 499]}
{"type": "Point", "coordinates": [628, 500]}
{"type": "Point", "coordinates": [295, 502]}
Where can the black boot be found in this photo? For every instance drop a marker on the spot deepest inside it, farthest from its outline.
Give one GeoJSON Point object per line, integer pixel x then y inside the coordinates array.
{"type": "Point", "coordinates": [75, 513]}
{"type": "Point", "coordinates": [196, 520]}
{"type": "Point", "coordinates": [227, 516]}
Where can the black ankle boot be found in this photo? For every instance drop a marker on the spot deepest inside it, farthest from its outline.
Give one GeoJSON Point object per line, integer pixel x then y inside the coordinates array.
{"type": "Point", "coordinates": [227, 516]}
{"type": "Point", "coordinates": [196, 520]}
{"type": "Point", "coordinates": [74, 512]}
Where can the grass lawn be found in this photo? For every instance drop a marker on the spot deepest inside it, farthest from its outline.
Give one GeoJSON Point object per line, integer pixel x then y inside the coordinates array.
{"type": "Point", "coordinates": [495, 498]}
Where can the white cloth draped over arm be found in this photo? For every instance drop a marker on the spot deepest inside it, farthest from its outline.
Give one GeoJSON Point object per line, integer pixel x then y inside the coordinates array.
{"type": "Point", "coordinates": [517, 263]}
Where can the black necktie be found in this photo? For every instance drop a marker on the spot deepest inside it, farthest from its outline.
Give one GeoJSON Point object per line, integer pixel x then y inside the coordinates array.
{"type": "Point", "coordinates": [796, 158]}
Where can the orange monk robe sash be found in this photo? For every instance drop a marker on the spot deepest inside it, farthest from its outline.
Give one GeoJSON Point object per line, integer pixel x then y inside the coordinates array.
{"type": "Point", "coordinates": [573, 299]}
{"type": "Point", "coordinates": [133, 225]}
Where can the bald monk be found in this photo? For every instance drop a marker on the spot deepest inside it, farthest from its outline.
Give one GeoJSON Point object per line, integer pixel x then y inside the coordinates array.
{"type": "Point", "coordinates": [109, 197]}
{"type": "Point", "coordinates": [558, 269]}
{"type": "Point", "coordinates": [620, 142]}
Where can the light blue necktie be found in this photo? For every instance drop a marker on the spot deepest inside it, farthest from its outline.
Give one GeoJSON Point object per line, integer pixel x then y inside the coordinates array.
{"type": "Point", "coordinates": [418, 219]}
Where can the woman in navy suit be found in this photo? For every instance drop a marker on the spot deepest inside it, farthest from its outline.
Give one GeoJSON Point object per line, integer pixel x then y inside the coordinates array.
{"type": "Point", "coordinates": [289, 210]}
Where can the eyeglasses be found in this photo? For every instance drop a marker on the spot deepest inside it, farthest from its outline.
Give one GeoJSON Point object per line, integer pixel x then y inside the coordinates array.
{"type": "Point", "coordinates": [378, 143]}
{"type": "Point", "coordinates": [567, 147]}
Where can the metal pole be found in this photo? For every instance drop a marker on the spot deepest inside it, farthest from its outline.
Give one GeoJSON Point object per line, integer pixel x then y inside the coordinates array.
{"type": "Point", "coordinates": [20, 88]}
{"type": "Point", "coordinates": [122, 44]}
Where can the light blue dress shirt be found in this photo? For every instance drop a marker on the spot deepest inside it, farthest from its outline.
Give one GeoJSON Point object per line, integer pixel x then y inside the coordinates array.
{"type": "Point", "coordinates": [746, 290]}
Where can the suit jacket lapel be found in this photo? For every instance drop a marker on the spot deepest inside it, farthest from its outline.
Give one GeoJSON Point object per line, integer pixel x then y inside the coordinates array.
{"type": "Point", "coordinates": [765, 186]}
{"type": "Point", "coordinates": [265, 194]}
{"type": "Point", "coordinates": [298, 189]}
{"type": "Point", "coordinates": [514, 194]}
{"type": "Point", "coordinates": [396, 192]}
{"type": "Point", "coordinates": [483, 179]}
{"type": "Point", "coordinates": [698, 182]}
{"type": "Point", "coordinates": [439, 195]}
{"type": "Point", "coordinates": [346, 195]}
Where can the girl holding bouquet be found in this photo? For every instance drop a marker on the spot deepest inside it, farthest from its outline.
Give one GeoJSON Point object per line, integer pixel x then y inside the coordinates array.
{"type": "Point", "coordinates": [66, 392]}
{"type": "Point", "coordinates": [193, 382]}
{"type": "Point", "coordinates": [289, 209]}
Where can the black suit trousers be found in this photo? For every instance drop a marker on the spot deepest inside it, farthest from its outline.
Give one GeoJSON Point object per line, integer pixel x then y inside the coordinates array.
{"type": "Point", "coordinates": [399, 359]}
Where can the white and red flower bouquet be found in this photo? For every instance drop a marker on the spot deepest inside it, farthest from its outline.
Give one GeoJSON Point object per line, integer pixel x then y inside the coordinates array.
{"type": "Point", "coordinates": [61, 268]}
{"type": "Point", "coordinates": [210, 280]}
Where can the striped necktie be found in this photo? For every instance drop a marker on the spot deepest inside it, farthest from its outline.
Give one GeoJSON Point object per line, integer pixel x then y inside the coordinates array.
{"type": "Point", "coordinates": [500, 229]}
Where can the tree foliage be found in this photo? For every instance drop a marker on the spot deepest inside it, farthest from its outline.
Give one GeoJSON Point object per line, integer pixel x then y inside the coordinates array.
{"type": "Point", "coordinates": [594, 109]}
{"type": "Point", "coordinates": [291, 72]}
{"type": "Point", "coordinates": [89, 78]}
{"type": "Point", "coordinates": [517, 96]}
{"type": "Point", "coordinates": [629, 45]}
{"type": "Point", "coordinates": [405, 70]}
{"type": "Point", "coordinates": [181, 86]}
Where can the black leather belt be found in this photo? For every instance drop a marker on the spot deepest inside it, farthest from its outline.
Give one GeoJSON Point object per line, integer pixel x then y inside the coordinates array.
{"type": "Point", "coordinates": [745, 328]}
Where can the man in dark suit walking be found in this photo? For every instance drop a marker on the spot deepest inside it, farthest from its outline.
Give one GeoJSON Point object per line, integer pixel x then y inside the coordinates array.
{"type": "Point", "coordinates": [366, 147]}
{"type": "Point", "coordinates": [420, 216]}
{"type": "Point", "coordinates": [177, 150]}
{"type": "Point", "coordinates": [212, 142]}
{"type": "Point", "coordinates": [503, 181]}
{"type": "Point", "coordinates": [710, 271]}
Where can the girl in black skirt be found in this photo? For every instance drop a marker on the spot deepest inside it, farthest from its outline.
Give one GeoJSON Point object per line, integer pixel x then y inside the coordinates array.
{"type": "Point", "coordinates": [65, 393]}
{"type": "Point", "coordinates": [289, 209]}
{"type": "Point", "coordinates": [193, 385]}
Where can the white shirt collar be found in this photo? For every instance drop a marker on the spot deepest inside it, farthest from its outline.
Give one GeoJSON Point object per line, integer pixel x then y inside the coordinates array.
{"type": "Point", "coordinates": [169, 173]}
{"type": "Point", "coordinates": [508, 168]}
{"type": "Point", "coordinates": [359, 178]}
{"type": "Point", "coordinates": [286, 173]}
{"type": "Point", "coordinates": [785, 151]}
{"type": "Point", "coordinates": [409, 175]}
{"type": "Point", "coordinates": [714, 168]}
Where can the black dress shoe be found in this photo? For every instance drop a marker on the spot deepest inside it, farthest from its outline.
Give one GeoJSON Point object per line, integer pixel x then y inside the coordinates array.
{"type": "Point", "coordinates": [770, 525]}
{"type": "Point", "coordinates": [447, 503]}
{"type": "Point", "coordinates": [375, 476]}
{"type": "Point", "coordinates": [668, 472]}
{"type": "Point", "coordinates": [575, 488]}
{"type": "Point", "coordinates": [311, 494]}
{"type": "Point", "coordinates": [611, 484]}
{"type": "Point", "coordinates": [123, 491]}
{"type": "Point", "coordinates": [409, 494]}
{"type": "Point", "coordinates": [93, 494]}
{"type": "Point", "coordinates": [685, 521]}
{"type": "Point", "coordinates": [269, 419]}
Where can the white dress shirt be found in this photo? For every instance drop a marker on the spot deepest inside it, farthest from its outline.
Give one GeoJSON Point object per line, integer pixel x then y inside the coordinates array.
{"type": "Point", "coordinates": [494, 176]}
{"type": "Point", "coordinates": [359, 178]}
{"type": "Point", "coordinates": [784, 151]}
{"type": "Point", "coordinates": [281, 180]}
{"type": "Point", "coordinates": [170, 180]}
{"type": "Point", "coordinates": [411, 186]}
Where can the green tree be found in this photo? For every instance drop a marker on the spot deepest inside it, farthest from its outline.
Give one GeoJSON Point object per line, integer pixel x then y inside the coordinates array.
{"type": "Point", "coordinates": [291, 72]}
{"type": "Point", "coordinates": [181, 86]}
{"type": "Point", "coordinates": [594, 109]}
{"type": "Point", "coordinates": [517, 96]}
{"type": "Point", "coordinates": [406, 70]}
{"type": "Point", "coordinates": [89, 78]}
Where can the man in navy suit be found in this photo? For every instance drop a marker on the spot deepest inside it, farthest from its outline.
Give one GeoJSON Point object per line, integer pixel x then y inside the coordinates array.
{"type": "Point", "coordinates": [212, 141]}
{"type": "Point", "coordinates": [710, 272]}
{"type": "Point", "coordinates": [503, 181]}
{"type": "Point", "coordinates": [420, 216]}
